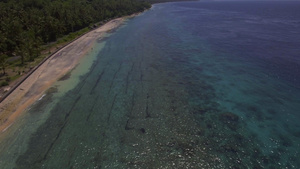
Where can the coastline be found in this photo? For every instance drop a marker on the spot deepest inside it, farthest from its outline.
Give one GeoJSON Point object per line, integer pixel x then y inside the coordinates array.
{"type": "Point", "coordinates": [50, 71]}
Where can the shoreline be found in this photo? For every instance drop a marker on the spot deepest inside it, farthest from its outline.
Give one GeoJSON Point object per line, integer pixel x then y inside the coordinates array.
{"type": "Point", "coordinates": [50, 70]}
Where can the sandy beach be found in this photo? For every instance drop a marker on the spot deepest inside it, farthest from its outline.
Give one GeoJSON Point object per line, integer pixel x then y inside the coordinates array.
{"type": "Point", "coordinates": [48, 73]}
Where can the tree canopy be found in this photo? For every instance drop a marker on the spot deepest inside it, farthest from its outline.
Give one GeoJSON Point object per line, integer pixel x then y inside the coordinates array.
{"type": "Point", "coordinates": [27, 24]}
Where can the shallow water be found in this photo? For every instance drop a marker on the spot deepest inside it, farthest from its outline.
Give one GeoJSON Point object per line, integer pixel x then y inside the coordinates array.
{"type": "Point", "coordinates": [184, 85]}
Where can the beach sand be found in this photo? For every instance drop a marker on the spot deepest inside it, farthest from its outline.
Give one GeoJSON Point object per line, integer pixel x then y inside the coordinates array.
{"type": "Point", "coordinates": [48, 73]}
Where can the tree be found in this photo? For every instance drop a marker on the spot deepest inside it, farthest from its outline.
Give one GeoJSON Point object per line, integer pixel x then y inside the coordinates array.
{"type": "Point", "coordinates": [3, 62]}
{"type": "Point", "coordinates": [3, 49]}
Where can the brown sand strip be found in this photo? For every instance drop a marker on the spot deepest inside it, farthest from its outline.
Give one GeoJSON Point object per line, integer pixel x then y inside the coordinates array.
{"type": "Point", "coordinates": [32, 87]}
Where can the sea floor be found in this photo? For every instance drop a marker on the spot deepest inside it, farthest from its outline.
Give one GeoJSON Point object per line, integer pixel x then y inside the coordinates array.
{"type": "Point", "coordinates": [162, 97]}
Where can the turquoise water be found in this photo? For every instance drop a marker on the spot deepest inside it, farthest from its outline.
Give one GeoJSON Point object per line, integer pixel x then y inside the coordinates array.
{"type": "Point", "coordinates": [184, 85]}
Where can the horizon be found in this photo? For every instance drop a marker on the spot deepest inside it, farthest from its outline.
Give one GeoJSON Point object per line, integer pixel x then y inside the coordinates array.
{"type": "Point", "coordinates": [253, 0]}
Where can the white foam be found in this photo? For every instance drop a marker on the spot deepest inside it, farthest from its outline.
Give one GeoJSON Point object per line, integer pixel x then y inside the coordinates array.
{"type": "Point", "coordinates": [42, 97]}
{"type": "Point", "coordinates": [7, 127]}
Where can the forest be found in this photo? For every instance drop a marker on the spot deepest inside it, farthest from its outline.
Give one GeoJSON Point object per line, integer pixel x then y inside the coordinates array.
{"type": "Point", "coordinates": [26, 25]}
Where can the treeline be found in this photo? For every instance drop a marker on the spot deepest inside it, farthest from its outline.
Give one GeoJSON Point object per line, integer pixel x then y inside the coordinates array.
{"type": "Point", "coordinates": [27, 24]}
{"type": "Point", "coordinates": [162, 1]}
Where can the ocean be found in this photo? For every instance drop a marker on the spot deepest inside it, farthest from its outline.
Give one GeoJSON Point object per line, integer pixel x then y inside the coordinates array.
{"type": "Point", "coordinates": [182, 85]}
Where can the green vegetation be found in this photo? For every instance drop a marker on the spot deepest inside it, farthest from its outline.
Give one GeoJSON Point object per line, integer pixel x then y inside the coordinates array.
{"type": "Point", "coordinates": [72, 35]}
{"type": "Point", "coordinates": [26, 26]}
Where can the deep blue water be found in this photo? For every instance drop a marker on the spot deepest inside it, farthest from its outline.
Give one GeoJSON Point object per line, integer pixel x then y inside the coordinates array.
{"type": "Point", "coordinates": [184, 85]}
